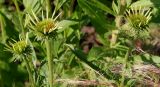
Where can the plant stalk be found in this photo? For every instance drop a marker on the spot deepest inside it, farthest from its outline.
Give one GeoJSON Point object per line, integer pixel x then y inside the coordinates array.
{"type": "Point", "coordinates": [124, 68]}
{"type": "Point", "coordinates": [50, 61]}
{"type": "Point", "coordinates": [29, 72]}
{"type": "Point", "coordinates": [4, 36]}
{"type": "Point", "coordinates": [122, 7]}
{"type": "Point", "coordinates": [116, 31]}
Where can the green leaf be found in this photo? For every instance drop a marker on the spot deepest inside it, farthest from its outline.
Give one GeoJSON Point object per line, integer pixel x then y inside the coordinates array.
{"type": "Point", "coordinates": [156, 59]}
{"type": "Point", "coordinates": [34, 5]}
{"type": "Point", "coordinates": [59, 4]}
{"type": "Point", "coordinates": [87, 8]}
{"type": "Point", "coordinates": [8, 30]}
{"type": "Point", "coordinates": [121, 47]}
{"type": "Point", "coordinates": [100, 5]}
{"type": "Point", "coordinates": [80, 55]}
{"type": "Point", "coordinates": [95, 53]}
{"type": "Point", "coordinates": [97, 17]}
{"type": "Point", "coordinates": [138, 59]}
{"type": "Point", "coordinates": [151, 58]}
{"type": "Point", "coordinates": [4, 66]}
{"type": "Point", "coordinates": [65, 24]}
{"type": "Point", "coordinates": [115, 7]}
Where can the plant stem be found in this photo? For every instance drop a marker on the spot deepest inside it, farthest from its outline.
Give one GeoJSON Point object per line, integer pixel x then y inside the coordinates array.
{"type": "Point", "coordinates": [16, 4]}
{"type": "Point", "coordinates": [29, 72]}
{"type": "Point", "coordinates": [122, 7]}
{"type": "Point", "coordinates": [116, 31]}
{"type": "Point", "coordinates": [4, 36]}
{"type": "Point", "coordinates": [50, 61]}
{"type": "Point", "coordinates": [124, 68]}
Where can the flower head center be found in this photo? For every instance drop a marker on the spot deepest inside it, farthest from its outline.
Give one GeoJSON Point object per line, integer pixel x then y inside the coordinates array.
{"type": "Point", "coordinates": [45, 26]}
{"type": "Point", "coordinates": [19, 47]}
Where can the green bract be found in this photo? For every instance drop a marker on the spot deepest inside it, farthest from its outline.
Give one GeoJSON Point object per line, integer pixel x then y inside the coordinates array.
{"type": "Point", "coordinates": [138, 18]}
{"type": "Point", "coordinates": [20, 48]}
{"type": "Point", "coordinates": [44, 28]}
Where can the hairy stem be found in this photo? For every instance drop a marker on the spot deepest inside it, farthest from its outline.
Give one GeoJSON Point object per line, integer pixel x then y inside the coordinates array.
{"type": "Point", "coordinates": [118, 21]}
{"type": "Point", "coordinates": [124, 68]}
{"type": "Point", "coordinates": [50, 61]}
{"type": "Point", "coordinates": [29, 72]}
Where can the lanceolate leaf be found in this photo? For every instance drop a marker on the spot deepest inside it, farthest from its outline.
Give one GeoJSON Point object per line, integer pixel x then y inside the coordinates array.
{"type": "Point", "coordinates": [100, 5]}
{"type": "Point", "coordinates": [8, 28]}
{"type": "Point", "coordinates": [97, 17]}
{"type": "Point", "coordinates": [115, 8]}
{"type": "Point", "coordinates": [83, 58]}
{"type": "Point", "coordinates": [156, 59]}
{"type": "Point", "coordinates": [59, 4]}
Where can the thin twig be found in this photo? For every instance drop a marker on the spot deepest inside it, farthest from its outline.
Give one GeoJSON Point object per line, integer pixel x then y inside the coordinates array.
{"type": "Point", "coordinates": [84, 82]}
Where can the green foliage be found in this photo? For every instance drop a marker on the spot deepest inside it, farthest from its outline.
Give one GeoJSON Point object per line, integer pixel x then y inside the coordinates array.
{"type": "Point", "coordinates": [117, 58]}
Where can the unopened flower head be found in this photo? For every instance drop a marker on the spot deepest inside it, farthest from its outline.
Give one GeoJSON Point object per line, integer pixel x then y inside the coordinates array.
{"type": "Point", "coordinates": [44, 28]}
{"type": "Point", "coordinates": [138, 17]}
{"type": "Point", "coordinates": [19, 48]}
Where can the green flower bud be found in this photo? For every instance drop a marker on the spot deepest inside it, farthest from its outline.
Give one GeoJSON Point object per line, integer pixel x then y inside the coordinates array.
{"type": "Point", "coordinates": [138, 18]}
{"type": "Point", "coordinates": [19, 48]}
{"type": "Point", "coordinates": [44, 28]}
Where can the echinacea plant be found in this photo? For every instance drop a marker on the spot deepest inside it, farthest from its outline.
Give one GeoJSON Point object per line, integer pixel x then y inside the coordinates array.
{"type": "Point", "coordinates": [22, 51]}
{"type": "Point", "coordinates": [138, 24]}
{"type": "Point", "coordinates": [45, 30]}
